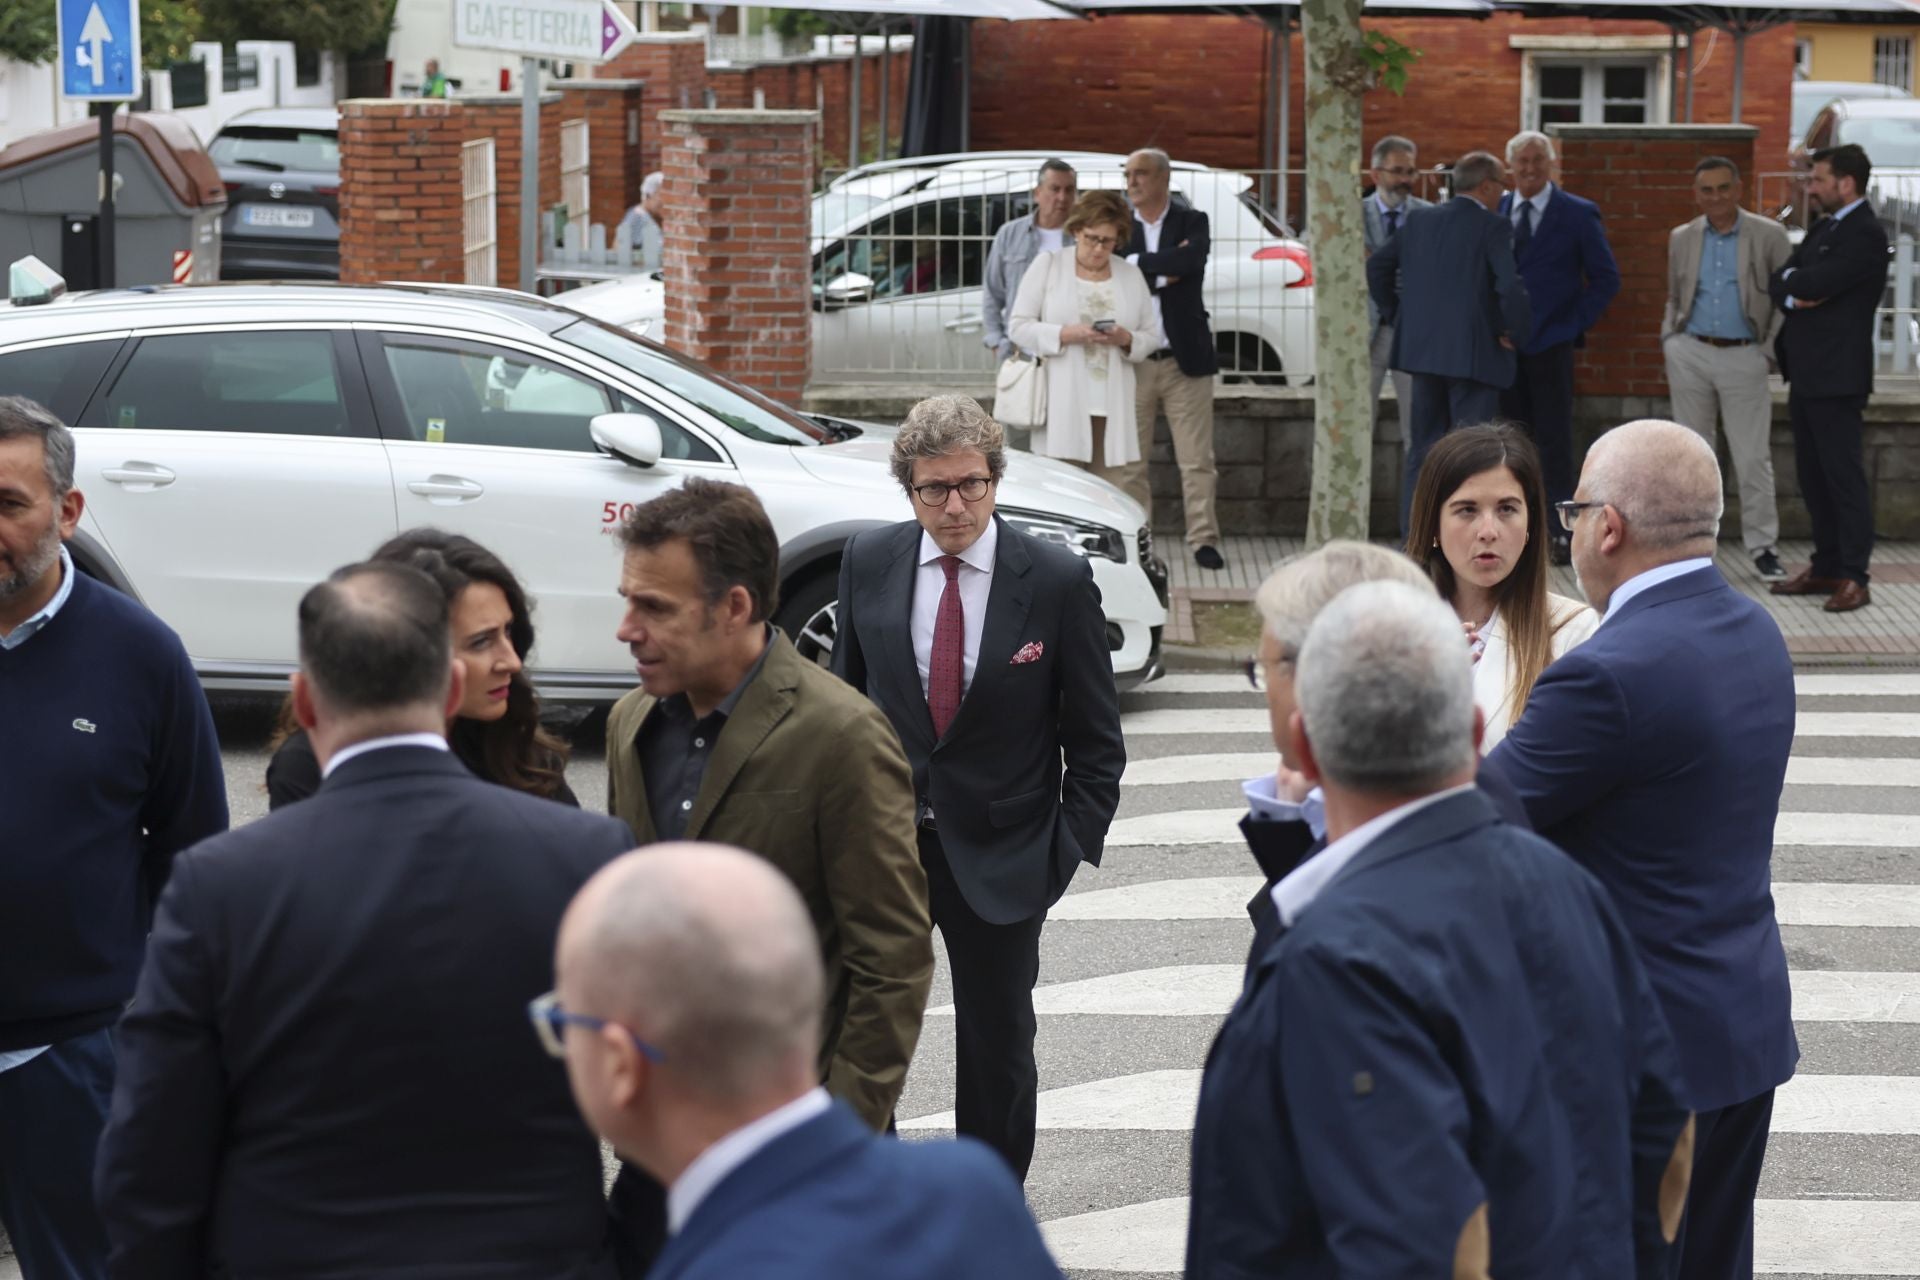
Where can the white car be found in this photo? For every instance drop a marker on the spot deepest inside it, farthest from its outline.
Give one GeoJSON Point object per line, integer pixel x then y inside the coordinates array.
{"type": "Point", "coordinates": [238, 443]}
{"type": "Point", "coordinates": [899, 253]}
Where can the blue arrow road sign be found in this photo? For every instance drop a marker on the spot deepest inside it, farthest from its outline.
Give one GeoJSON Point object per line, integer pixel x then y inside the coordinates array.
{"type": "Point", "coordinates": [100, 50]}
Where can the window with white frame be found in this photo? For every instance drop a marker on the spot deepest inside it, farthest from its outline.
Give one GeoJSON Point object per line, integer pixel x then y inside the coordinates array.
{"type": "Point", "coordinates": [1594, 91]}
{"type": "Point", "coordinates": [1803, 59]}
{"type": "Point", "coordinates": [1893, 61]}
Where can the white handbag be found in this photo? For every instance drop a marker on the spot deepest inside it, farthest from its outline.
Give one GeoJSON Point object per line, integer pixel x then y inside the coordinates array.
{"type": "Point", "coordinates": [1020, 391]}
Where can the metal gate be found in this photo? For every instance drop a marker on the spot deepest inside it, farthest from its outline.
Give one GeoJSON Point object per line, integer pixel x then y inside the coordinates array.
{"type": "Point", "coordinates": [477, 189]}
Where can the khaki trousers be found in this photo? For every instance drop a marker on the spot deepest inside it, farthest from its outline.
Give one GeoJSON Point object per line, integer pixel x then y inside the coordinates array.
{"type": "Point", "coordinates": [1115, 476]}
{"type": "Point", "coordinates": [1188, 403]}
{"type": "Point", "coordinates": [1730, 384]}
{"type": "Point", "coordinates": [1379, 352]}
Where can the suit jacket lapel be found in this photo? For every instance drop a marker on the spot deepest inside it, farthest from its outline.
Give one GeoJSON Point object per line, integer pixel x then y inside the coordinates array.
{"type": "Point", "coordinates": [1008, 601]}
{"type": "Point", "coordinates": [765, 704]}
{"type": "Point", "coordinates": [625, 760]}
{"type": "Point", "coordinates": [894, 609]}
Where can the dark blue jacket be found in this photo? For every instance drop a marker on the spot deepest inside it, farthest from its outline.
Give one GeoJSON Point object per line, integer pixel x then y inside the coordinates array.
{"type": "Point", "coordinates": [1448, 286]}
{"type": "Point", "coordinates": [1654, 754]}
{"type": "Point", "coordinates": [108, 767]}
{"type": "Point", "coordinates": [1568, 269]}
{"type": "Point", "coordinates": [1458, 1020]}
{"type": "Point", "coordinates": [831, 1200]}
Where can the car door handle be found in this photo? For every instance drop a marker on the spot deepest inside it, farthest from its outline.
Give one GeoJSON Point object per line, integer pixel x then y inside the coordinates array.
{"type": "Point", "coordinates": [965, 324]}
{"type": "Point", "coordinates": [446, 487]}
{"type": "Point", "coordinates": [140, 475]}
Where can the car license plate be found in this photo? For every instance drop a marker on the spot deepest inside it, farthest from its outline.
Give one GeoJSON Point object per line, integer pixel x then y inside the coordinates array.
{"type": "Point", "coordinates": [266, 215]}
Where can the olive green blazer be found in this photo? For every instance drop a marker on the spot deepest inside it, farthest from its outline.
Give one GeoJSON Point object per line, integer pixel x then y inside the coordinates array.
{"type": "Point", "coordinates": [809, 775]}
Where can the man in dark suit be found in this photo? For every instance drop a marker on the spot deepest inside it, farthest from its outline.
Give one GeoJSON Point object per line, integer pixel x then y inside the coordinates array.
{"type": "Point", "coordinates": [1561, 249]}
{"type": "Point", "coordinates": [688, 1012]}
{"type": "Point", "coordinates": [1448, 286]}
{"type": "Point", "coordinates": [325, 1068]}
{"type": "Point", "coordinates": [1170, 245]}
{"type": "Point", "coordinates": [987, 650]}
{"type": "Point", "coordinates": [1381, 213]}
{"type": "Point", "coordinates": [1830, 289]}
{"type": "Point", "coordinates": [1448, 1061]}
{"type": "Point", "coordinates": [1654, 754]}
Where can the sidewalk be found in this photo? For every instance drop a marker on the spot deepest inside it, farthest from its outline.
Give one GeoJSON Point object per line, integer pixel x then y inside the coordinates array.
{"type": "Point", "coordinates": [1887, 630]}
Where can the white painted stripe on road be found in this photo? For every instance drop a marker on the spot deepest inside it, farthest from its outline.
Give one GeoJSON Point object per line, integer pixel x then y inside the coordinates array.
{"type": "Point", "coordinates": [1848, 1104]}
{"type": "Point", "coordinates": [1234, 766]}
{"type": "Point", "coordinates": [1180, 826]}
{"type": "Point", "coordinates": [1807, 686]}
{"type": "Point", "coordinates": [1856, 724]}
{"type": "Point", "coordinates": [1808, 1237]}
{"type": "Point", "coordinates": [1193, 898]}
{"type": "Point", "coordinates": [1865, 830]}
{"type": "Point", "coordinates": [1822, 995]}
{"type": "Point", "coordinates": [1174, 991]}
{"type": "Point", "coordinates": [1838, 771]}
{"type": "Point", "coordinates": [1224, 682]}
{"type": "Point", "coordinates": [1224, 720]}
{"type": "Point", "coordinates": [1853, 906]}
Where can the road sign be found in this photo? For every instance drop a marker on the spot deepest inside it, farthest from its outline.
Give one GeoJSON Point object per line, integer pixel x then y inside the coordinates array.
{"type": "Point", "coordinates": [567, 30]}
{"type": "Point", "coordinates": [100, 50]}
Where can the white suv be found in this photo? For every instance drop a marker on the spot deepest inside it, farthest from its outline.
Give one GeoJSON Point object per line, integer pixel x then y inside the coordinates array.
{"type": "Point", "coordinates": [900, 249]}
{"type": "Point", "coordinates": [237, 443]}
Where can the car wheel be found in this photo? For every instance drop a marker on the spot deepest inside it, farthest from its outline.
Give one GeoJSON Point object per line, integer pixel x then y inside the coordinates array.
{"type": "Point", "coordinates": [808, 615]}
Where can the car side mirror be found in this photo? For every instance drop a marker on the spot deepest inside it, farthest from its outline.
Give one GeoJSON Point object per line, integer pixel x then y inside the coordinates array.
{"type": "Point", "coordinates": [843, 291]}
{"type": "Point", "coordinates": [634, 438]}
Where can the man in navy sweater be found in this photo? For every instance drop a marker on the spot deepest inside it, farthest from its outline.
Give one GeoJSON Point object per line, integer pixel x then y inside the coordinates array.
{"type": "Point", "coordinates": [108, 767]}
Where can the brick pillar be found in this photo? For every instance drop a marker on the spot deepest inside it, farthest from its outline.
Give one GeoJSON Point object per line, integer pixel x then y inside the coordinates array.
{"type": "Point", "coordinates": [612, 109]}
{"type": "Point", "coordinates": [1642, 178]}
{"type": "Point", "coordinates": [400, 201]}
{"type": "Point", "coordinates": [497, 116]}
{"type": "Point", "coordinates": [674, 68]}
{"type": "Point", "coordinates": [739, 243]}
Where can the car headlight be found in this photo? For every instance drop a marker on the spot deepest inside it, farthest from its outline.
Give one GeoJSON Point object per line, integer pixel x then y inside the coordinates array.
{"type": "Point", "coordinates": [1082, 537]}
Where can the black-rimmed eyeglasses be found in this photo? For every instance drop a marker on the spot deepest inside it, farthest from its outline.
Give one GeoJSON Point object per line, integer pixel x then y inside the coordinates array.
{"type": "Point", "coordinates": [972, 489]}
{"type": "Point", "coordinates": [1569, 512]}
{"type": "Point", "coordinates": [550, 1023]}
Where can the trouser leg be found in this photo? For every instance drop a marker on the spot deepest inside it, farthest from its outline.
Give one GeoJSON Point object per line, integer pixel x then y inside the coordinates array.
{"type": "Point", "coordinates": [1810, 470]}
{"type": "Point", "coordinates": [1430, 412]}
{"type": "Point", "coordinates": [1838, 426]}
{"type": "Point", "coordinates": [1746, 406]}
{"type": "Point", "coordinates": [1543, 390]}
{"type": "Point", "coordinates": [1403, 404]}
{"type": "Point", "coordinates": [1189, 402]}
{"type": "Point", "coordinates": [52, 1111]}
{"type": "Point", "coordinates": [1716, 1232]}
{"type": "Point", "coordinates": [1138, 482]}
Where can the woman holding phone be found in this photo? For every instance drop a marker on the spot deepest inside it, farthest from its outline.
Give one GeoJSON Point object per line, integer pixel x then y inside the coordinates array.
{"type": "Point", "coordinates": [1089, 315]}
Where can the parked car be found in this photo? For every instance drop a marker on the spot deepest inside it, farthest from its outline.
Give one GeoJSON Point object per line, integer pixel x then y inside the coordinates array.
{"type": "Point", "coordinates": [237, 443]}
{"type": "Point", "coordinates": [281, 167]}
{"type": "Point", "coordinates": [1811, 95]}
{"type": "Point", "coordinates": [899, 251]}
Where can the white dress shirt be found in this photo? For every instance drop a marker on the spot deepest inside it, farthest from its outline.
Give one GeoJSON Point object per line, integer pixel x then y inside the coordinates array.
{"type": "Point", "coordinates": [1265, 804]}
{"type": "Point", "coordinates": [1152, 230]}
{"type": "Point", "coordinates": [1300, 886]}
{"type": "Point", "coordinates": [437, 741]}
{"type": "Point", "coordinates": [930, 583]}
{"type": "Point", "coordinates": [1651, 578]}
{"type": "Point", "coordinates": [697, 1181]}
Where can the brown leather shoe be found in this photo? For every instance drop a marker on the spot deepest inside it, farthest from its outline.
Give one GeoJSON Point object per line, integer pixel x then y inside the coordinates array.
{"type": "Point", "coordinates": [1804, 583]}
{"type": "Point", "coordinates": [1850, 596]}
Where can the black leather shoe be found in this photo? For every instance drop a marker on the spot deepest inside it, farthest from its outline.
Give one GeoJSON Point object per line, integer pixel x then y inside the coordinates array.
{"type": "Point", "coordinates": [1209, 557]}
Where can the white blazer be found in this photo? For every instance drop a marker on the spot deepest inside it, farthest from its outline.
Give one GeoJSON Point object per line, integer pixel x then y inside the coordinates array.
{"type": "Point", "coordinates": [1493, 674]}
{"type": "Point", "coordinates": [1048, 301]}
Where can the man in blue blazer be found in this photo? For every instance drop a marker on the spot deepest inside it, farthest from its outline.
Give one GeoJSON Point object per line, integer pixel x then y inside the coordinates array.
{"type": "Point", "coordinates": [688, 1011]}
{"type": "Point", "coordinates": [1561, 247]}
{"type": "Point", "coordinates": [1448, 286]}
{"type": "Point", "coordinates": [1448, 1062]}
{"type": "Point", "coordinates": [1654, 754]}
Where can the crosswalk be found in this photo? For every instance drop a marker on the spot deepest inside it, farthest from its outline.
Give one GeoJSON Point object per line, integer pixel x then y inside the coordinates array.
{"type": "Point", "coordinates": [1143, 958]}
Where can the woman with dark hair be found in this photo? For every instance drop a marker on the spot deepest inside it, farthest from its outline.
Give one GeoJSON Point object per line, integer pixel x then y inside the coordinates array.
{"type": "Point", "coordinates": [497, 731]}
{"type": "Point", "coordinates": [1479, 526]}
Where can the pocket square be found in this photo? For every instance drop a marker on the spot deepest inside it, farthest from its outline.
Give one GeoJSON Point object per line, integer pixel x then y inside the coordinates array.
{"type": "Point", "coordinates": [1030, 653]}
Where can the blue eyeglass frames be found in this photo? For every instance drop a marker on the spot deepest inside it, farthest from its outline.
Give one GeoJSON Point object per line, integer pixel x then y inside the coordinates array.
{"type": "Point", "coordinates": [550, 1023]}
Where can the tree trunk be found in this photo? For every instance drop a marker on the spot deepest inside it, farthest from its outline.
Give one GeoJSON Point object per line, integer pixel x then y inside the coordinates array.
{"type": "Point", "coordinates": [1337, 76]}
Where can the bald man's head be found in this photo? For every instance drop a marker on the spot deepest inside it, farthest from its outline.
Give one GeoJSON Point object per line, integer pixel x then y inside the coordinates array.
{"type": "Point", "coordinates": [1652, 496]}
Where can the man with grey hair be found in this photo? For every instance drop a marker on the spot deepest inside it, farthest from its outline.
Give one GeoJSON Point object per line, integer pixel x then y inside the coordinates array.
{"type": "Point", "coordinates": [687, 1007]}
{"type": "Point", "coordinates": [1561, 247]}
{"type": "Point", "coordinates": [1654, 754]}
{"type": "Point", "coordinates": [987, 650]}
{"type": "Point", "coordinates": [1394, 171]}
{"type": "Point", "coordinates": [1018, 242]}
{"type": "Point", "coordinates": [109, 767]}
{"type": "Point", "coordinates": [1448, 287]}
{"type": "Point", "coordinates": [645, 240]}
{"type": "Point", "coordinates": [1367, 1112]}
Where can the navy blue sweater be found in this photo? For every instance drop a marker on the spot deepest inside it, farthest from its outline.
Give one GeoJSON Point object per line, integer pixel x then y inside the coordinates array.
{"type": "Point", "coordinates": [108, 767]}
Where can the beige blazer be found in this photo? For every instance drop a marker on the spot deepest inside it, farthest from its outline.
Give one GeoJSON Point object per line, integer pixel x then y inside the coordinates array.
{"type": "Point", "coordinates": [1763, 251]}
{"type": "Point", "coordinates": [1048, 302]}
{"type": "Point", "coordinates": [1493, 675]}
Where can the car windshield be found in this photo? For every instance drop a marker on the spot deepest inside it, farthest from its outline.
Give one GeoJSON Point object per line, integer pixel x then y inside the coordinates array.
{"type": "Point", "coordinates": [833, 210]}
{"type": "Point", "coordinates": [277, 150]}
{"type": "Point", "coordinates": [746, 411]}
{"type": "Point", "coordinates": [1894, 143]}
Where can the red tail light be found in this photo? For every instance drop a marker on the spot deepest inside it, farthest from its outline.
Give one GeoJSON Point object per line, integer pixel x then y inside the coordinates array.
{"type": "Point", "coordinates": [326, 191]}
{"type": "Point", "coordinates": [1289, 253]}
{"type": "Point", "coordinates": [231, 187]}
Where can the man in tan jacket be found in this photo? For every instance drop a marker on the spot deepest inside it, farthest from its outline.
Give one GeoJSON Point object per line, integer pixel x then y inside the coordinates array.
{"type": "Point", "coordinates": [1718, 335]}
{"type": "Point", "coordinates": [733, 738]}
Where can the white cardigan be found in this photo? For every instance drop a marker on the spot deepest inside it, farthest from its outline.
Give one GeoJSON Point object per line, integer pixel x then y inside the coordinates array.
{"type": "Point", "coordinates": [1048, 301]}
{"type": "Point", "coordinates": [1493, 674]}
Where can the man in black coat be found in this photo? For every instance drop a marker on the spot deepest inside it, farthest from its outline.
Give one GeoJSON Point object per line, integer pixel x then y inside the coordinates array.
{"type": "Point", "coordinates": [1831, 289]}
{"type": "Point", "coordinates": [987, 650]}
{"type": "Point", "coordinates": [327, 1068]}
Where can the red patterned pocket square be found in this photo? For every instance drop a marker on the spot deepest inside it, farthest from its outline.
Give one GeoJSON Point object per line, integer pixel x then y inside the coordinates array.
{"type": "Point", "coordinates": [1031, 653]}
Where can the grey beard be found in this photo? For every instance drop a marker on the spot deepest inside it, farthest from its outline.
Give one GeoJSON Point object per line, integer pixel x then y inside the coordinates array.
{"type": "Point", "coordinates": [39, 560]}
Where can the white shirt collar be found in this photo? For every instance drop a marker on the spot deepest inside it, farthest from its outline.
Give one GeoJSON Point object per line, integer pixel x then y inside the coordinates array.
{"type": "Point", "coordinates": [1651, 578]}
{"type": "Point", "coordinates": [1538, 200]}
{"type": "Point", "coordinates": [979, 555]}
{"type": "Point", "coordinates": [711, 1167]}
{"type": "Point", "coordinates": [1154, 223]}
{"type": "Point", "coordinates": [437, 741]}
{"type": "Point", "coordinates": [1847, 209]}
{"type": "Point", "coordinates": [1299, 887]}
{"type": "Point", "coordinates": [38, 622]}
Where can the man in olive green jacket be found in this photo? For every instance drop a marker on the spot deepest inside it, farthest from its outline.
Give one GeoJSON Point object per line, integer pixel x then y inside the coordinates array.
{"type": "Point", "coordinates": [735, 738]}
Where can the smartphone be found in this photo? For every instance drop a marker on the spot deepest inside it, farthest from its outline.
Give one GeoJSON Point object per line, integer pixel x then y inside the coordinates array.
{"type": "Point", "coordinates": [1104, 326]}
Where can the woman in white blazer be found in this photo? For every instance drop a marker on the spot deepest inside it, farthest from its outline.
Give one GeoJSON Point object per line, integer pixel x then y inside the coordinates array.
{"type": "Point", "coordinates": [1089, 316]}
{"type": "Point", "coordinates": [1479, 525]}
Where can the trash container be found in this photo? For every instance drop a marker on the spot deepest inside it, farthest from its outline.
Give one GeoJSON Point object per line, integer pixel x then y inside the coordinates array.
{"type": "Point", "coordinates": [166, 211]}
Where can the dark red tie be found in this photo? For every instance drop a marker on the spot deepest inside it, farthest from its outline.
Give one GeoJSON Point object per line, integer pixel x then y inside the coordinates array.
{"type": "Point", "coordinates": [947, 661]}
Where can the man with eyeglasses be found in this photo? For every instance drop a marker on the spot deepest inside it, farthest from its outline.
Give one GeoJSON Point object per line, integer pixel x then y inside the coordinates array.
{"type": "Point", "coordinates": [323, 1070]}
{"type": "Point", "coordinates": [1394, 170]}
{"type": "Point", "coordinates": [688, 1013]}
{"type": "Point", "coordinates": [987, 650]}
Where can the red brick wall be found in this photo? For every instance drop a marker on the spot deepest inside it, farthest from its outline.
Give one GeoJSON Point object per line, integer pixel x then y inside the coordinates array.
{"type": "Point", "coordinates": [795, 85]}
{"type": "Point", "coordinates": [674, 69]}
{"type": "Point", "coordinates": [738, 237]}
{"type": "Point", "coordinates": [1648, 173]}
{"type": "Point", "coordinates": [400, 208]}
{"type": "Point", "coordinates": [499, 118]}
{"type": "Point", "coordinates": [613, 181]}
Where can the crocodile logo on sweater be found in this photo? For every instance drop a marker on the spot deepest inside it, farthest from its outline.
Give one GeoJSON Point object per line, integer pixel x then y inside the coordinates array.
{"type": "Point", "coordinates": [86, 726]}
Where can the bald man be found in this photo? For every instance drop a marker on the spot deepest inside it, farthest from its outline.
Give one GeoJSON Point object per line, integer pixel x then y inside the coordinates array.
{"type": "Point", "coordinates": [688, 1011]}
{"type": "Point", "coordinates": [1654, 754]}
